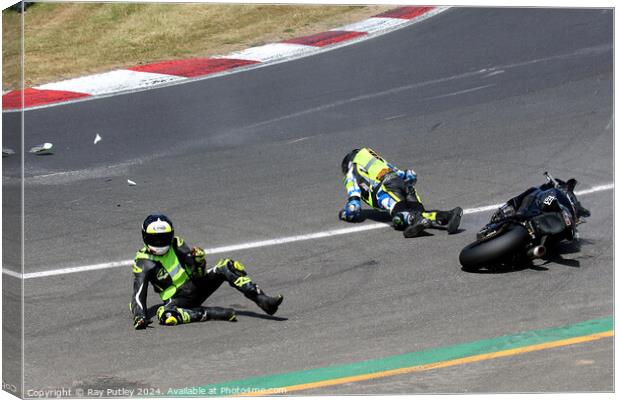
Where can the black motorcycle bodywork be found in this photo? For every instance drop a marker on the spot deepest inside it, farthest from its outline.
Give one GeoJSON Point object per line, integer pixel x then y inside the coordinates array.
{"type": "Point", "coordinates": [546, 214]}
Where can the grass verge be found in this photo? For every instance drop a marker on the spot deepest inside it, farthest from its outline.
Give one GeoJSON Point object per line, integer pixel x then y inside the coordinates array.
{"type": "Point", "coordinates": [65, 40]}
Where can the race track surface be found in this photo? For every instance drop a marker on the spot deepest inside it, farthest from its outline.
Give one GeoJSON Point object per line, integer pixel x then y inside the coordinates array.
{"type": "Point", "coordinates": [480, 102]}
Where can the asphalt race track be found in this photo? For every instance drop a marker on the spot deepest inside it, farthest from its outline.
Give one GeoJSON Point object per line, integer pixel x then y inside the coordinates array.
{"type": "Point", "coordinates": [480, 102]}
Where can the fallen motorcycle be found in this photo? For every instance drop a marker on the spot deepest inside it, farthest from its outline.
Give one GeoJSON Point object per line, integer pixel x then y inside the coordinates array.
{"type": "Point", "coordinates": [523, 228]}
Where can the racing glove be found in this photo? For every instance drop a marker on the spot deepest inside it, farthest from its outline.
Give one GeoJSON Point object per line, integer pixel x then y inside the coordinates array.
{"type": "Point", "coordinates": [351, 210]}
{"type": "Point", "coordinates": [196, 269]}
{"type": "Point", "coordinates": [410, 177]}
{"type": "Point", "coordinates": [140, 322]}
{"type": "Point", "coordinates": [199, 255]}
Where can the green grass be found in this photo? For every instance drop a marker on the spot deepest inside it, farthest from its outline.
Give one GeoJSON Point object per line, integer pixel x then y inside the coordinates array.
{"type": "Point", "coordinates": [64, 40]}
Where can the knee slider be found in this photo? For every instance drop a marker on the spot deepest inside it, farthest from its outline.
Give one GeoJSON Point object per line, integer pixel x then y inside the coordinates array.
{"type": "Point", "coordinates": [237, 268]}
{"type": "Point", "coordinates": [234, 272]}
{"type": "Point", "coordinates": [226, 266]}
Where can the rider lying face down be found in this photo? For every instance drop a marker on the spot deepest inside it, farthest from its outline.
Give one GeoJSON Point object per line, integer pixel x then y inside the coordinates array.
{"type": "Point", "coordinates": [368, 177]}
{"type": "Point", "coordinates": [180, 276]}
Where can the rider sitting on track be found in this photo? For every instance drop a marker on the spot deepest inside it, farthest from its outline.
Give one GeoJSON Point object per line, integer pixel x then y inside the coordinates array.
{"type": "Point", "coordinates": [382, 186]}
{"type": "Point", "coordinates": [178, 274]}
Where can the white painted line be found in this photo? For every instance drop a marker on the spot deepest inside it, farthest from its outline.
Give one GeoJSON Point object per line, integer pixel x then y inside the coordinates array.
{"type": "Point", "coordinates": [12, 273]}
{"type": "Point", "coordinates": [494, 73]}
{"type": "Point", "coordinates": [474, 89]}
{"type": "Point", "coordinates": [105, 92]}
{"type": "Point", "coordinates": [394, 117]}
{"type": "Point", "coordinates": [377, 24]}
{"type": "Point", "coordinates": [63, 271]}
{"type": "Point", "coordinates": [417, 85]}
{"type": "Point", "coordinates": [110, 82]}
{"type": "Point", "coordinates": [599, 188]}
{"type": "Point", "coordinates": [372, 25]}
{"type": "Point", "coordinates": [297, 140]}
{"type": "Point", "coordinates": [271, 52]}
{"type": "Point", "coordinates": [265, 243]}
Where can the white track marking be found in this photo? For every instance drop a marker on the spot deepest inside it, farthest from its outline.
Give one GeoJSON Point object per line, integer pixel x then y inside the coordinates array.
{"type": "Point", "coordinates": [441, 96]}
{"type": "Point", "coordinates": [264, 243]}
{"type": "Point", "coordinates": [12, 273]}
{"type": "Point", "coordinates": [296, 140]}
{"type": "Point", "coordinates": [378, 24]}
{"type": "Point", "coordinates": [394, 117]}
{"type": "Point", "coordinates": [111, 82]}
{"type": "Point", "coordinates": [103, 92]}
{"type": "Point", "coordinates": [494, 73]}
{"type": "Point", "coordinates": [372, 25]}
{"type": "Point", "coordinates": [418, 85]}
{"type": "Point", "coordinates": [270, 52]}
{"type": "Point", "coordinates": [599, 188]}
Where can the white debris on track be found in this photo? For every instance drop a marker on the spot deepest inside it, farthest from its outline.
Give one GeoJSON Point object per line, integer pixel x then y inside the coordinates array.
{"type": "Point", "coordinates": [131, 183]}
{"type": "Point", "coordinates": [42, 149]}
{"type": "Point", "coordinates": [97, 139]}
{"type": "Point", "coordinates": [7, 152]}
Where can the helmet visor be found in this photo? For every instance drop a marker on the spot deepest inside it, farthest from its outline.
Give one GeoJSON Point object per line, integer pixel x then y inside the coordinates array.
{"type": "Point", "coordinates": [158, 239]}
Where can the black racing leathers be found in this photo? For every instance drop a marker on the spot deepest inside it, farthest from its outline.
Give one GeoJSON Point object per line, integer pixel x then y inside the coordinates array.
{"type": "Point", "coordinates": [183, 297]}
{"type": "Point", "coordinates": [150, 269]}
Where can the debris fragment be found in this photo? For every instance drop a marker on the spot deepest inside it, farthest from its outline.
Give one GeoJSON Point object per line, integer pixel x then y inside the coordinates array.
{"type": "Point", "coordinates": [131, 183]}
{"type": "Point", "coordinates": [42, 149]}
{"type": "Point", "coordinates": [7, 152]}
{"type": "Point", "coordinates": [97, 139]}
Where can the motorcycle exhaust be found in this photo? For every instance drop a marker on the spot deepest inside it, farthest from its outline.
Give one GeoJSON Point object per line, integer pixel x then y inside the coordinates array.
{"type": "Point", "coordinates": [537, 252]}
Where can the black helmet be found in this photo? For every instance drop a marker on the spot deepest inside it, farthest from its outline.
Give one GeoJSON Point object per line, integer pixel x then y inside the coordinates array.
{"type": "Point", "coordinates": [157, 233]}
{"type": "Point", "coordinates": [347, 159]}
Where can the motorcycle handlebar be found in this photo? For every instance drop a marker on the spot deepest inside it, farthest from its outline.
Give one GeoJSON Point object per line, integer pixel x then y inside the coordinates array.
{"type": "Point", "coordinates": [551, 179]}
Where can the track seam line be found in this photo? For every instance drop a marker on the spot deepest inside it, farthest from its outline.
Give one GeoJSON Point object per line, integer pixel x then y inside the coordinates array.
{"type": "Point", "coordinates": [262, 243]}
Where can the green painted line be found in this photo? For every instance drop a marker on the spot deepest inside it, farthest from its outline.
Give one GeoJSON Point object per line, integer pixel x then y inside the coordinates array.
{"type": "Point", "coordinates": [417, 358]}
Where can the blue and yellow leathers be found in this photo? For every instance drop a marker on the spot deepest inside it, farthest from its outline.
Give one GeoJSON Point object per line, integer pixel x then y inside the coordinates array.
{"type": "Point", "coordinates": [183, 283]}
{"type": "Point", "coordinates": [380, 184]}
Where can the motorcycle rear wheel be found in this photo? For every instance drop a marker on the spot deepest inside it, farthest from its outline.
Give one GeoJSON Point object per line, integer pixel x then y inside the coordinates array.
{"type": "Point", "coordinates": [496, 250]}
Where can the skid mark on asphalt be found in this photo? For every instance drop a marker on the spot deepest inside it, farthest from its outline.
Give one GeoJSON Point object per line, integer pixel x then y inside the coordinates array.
{"type": "Point", "coordinates": [585, 52]}
{"type": "Point", "coordinates": [263, 243]}
{"type": "Point", "coordinates": [474, 89]}
{"type": "Point", "coordinates": [296, 140]}
{"type": "Point", "coordinates": [494, 73]}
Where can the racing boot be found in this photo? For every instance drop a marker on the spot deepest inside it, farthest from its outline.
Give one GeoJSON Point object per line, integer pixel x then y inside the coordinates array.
{"type": "Point", "coordinates": [267, 303]}
{"type": "Point", "coordinates": [219, 314]}
{"type": "Point", "coordinates": [417, 226]}
{"type": "Point", "coordinates": [454, 220]}
{"type": "Point", "coordinates": [177, 315]}
{"type": "Point", "coordinates": [445, 219]}
{"type": "Point", "coordinates": [234, 272]}
{"type": "Point", "coordinates": [200, 314]}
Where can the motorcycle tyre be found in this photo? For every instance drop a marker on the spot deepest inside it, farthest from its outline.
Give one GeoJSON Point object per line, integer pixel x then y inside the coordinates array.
{"type": "Point", "coordinates": [489, 252]}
